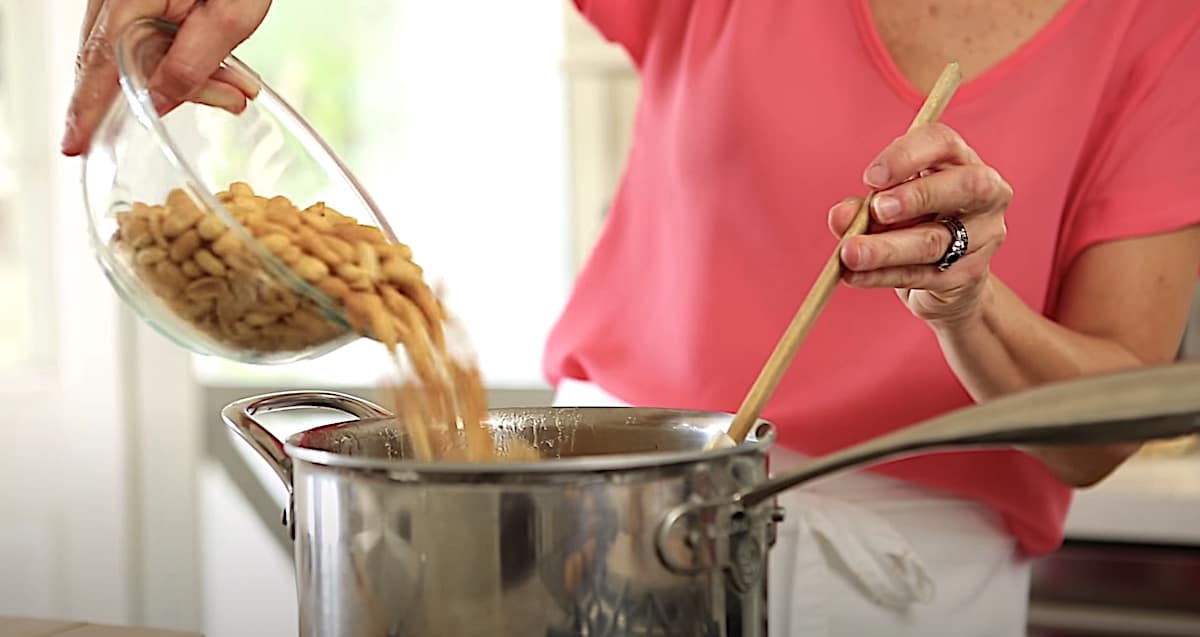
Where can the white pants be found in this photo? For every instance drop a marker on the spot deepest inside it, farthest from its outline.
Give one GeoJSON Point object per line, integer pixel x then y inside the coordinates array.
{"type": "Point", "coordinates": [860, 555]}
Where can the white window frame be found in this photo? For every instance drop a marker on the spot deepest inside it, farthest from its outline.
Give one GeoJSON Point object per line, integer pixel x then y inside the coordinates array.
{"type": "Point", "coordinates": [27, 89]}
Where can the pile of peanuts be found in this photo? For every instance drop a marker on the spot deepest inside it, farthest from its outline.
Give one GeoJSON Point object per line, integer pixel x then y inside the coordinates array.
{"type": "Point", "coordinates": [206, 275]}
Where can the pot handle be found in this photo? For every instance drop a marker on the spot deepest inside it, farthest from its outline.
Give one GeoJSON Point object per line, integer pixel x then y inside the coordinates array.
{"type": "Point", "coordinates": [1133, 406]}
{"type": "Point", "coordinates": [239, 416]}
{"type": "Point", "coordinates": [1130, 406]}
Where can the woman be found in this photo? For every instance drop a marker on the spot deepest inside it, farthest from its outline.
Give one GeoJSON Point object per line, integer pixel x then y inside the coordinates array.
{"type": "Point", "coordinates": [1072, 142]}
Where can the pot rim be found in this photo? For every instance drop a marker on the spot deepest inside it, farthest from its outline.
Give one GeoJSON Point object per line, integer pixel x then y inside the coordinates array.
{"type": "Point", "coordinates": [760, 440]}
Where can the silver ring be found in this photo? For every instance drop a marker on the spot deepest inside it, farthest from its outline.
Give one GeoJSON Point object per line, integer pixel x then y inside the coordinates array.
{"type": "Point", "coordinates": [958, 243]}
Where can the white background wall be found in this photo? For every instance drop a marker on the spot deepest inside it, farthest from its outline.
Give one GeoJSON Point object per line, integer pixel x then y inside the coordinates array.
{"type": "Point", "coordinates": [64, 484]}
{"type": "Point", "coordinates": [109, 509]}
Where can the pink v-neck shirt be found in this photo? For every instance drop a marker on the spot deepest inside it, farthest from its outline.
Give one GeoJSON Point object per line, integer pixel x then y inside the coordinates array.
{"type": "Point", "coordinates": [756, 116]}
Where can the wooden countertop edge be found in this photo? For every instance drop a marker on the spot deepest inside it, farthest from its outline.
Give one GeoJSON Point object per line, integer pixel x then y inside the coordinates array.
{"type": "Point", "coordinates": [31, 627]}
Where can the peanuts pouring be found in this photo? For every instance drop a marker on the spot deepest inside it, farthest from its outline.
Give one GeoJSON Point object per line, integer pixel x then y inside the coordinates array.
{"type": "Point", "coordinates": [209, 277]}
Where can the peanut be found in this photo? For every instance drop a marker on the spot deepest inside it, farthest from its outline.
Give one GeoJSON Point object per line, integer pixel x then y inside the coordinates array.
{"type": "Point", "coordinates": [192, 270]}
{"type": "Point", "coordinates": [226, 244]}
{"type": "Point", "coordinates": [291, 255]}
{"type": "Point", "coordinates": [334, 287]}
{"type": "Point", "coordinates": [311, 269]}
{"type": "Point", "coordinates": [315, 245]}
{"type": "Point", "coordinates": [281, 211]}
{"type": "Point", "coordinates": [402, 273]}
{"type": "Point", "coordinates": [154, 222]}
{"type": "Point", "coordinates": [243, 263]}
{"type": "Point", "coordinates": [275, 242]}
{"type": "Point", "coordinates": [282, 296]}
{"type": "Point", "coordinates": [355, 233]}
{"type": "Point", "coordinates": [317, 222]}
{"type": "Point", "coordinates": [134, 230]}
{"type": "Point", "coordinates": [342, 248]}
{"type": "Point", "coordinates": [207, 289]}
{"type": "Point", "coordinates": [357, 277]}
{"type": "Point", "coordinates": [210, 227]}
{"type": "Point", "coordinates": [244, 291]}
{"type": "Point", "coordinates": [185, 245]}
{"type": "Point", "coordinates": [209, 263]}
{"type": "Point", "coordinates": [258, 319]}
{"type": "Point", "coordinates": [195, 310]}
{"type": "Point", "coordinates": [368, 260]}
{"type": "Point", "coordinates": [150, 256]}
{"type": "Point", "coordinates": [399, 251]}
{"type": "Point", "coordinates": [307, 320]}
{"type": "Point", "coordinates": [182, 216]}
{"type": "Point", "coordinates": [228, 310]}
{"type": "Point", "coordinates": [171, 275]}
{"type": "Point", "coordinates": [259, 229]}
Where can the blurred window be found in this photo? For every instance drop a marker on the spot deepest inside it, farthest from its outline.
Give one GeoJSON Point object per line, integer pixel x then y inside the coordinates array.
{"type": "Point", "coordinates": [24, 262]}
{"type": "Point", "coordinates": [452, 116]}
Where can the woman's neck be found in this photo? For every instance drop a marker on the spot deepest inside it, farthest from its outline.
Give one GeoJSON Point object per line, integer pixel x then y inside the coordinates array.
{"type": "Point", "coordinates": [920, 35]}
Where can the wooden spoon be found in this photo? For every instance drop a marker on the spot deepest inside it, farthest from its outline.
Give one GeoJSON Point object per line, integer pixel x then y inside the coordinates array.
{"type": "Point", "coordinates": [822, 289]}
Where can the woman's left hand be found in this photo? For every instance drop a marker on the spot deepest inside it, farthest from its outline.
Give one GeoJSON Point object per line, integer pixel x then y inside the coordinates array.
{"type": "Point", "coordinates": [928, 173]}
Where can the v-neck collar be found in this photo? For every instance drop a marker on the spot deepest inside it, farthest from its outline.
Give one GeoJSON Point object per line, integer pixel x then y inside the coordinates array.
{"type": "Point", "coordinates": [869, 31]}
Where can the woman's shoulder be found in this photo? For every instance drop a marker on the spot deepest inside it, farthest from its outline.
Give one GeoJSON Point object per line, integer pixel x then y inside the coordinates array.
{"type": "Point", "coordinates": [1159, 29]}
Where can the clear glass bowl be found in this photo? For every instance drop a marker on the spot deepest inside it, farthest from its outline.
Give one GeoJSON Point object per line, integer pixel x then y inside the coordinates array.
{"type": "Point", "coordinates": [253, 308]}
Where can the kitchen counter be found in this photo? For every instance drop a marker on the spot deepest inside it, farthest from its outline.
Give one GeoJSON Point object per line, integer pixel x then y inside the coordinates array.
{"type": "Point", "coordinates": [23, 627]}
{"type": "Point", "coordinates": [1152, 500]}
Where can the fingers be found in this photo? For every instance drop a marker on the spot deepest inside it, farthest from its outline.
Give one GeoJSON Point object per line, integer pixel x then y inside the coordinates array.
{"type": "Point", "coordinates": [204, 40]}
{"type": "Point", "coordinates": [90, 16]}
{"type": "Point", "coordinates": [221, 95]}
{"type": "Point", "coordinates": [190, 69]}
{"type": "Point", "coordinates": [96, 70]}
{"type": "Point", "coordinates": [923, 244]}
{"type": "Point", "coordinates": [925, 147]}
{"type": "Point", "coordinates": [841, 214]}
{"type": "Point", "coordinates": [928, 172]}
{"type": "Point", "coordinates": [964, 189]}
{"type": "Point", "coordinates": [963, 274]}
{"type": "Point", "coordinates": [95, 86]}
{"type": "Point", "coordinates": [245, 84]}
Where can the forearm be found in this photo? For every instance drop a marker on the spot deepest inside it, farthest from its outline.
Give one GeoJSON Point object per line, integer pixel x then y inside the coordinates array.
{"type": "Point", "coordinates": [1121, 303]}
{"type": "Point", "coordinates": [1006, 346]}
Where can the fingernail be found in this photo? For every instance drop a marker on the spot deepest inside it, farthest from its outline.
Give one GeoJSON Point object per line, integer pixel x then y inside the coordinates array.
{"type": "Point", "coordinates": [851, 255]}
{"type": "Point", "coordinates": [847, 200]}
{"type": "Point", "coordinates": [876, 176]}
{"type": "Point", "coordinates": [887, 207]}
{"type": "Point", "coordinates": [221, 99]}
{"type": "Point", "coordinates": [68, 140]}
{"type": "Point", "coordinates": [160, 101]}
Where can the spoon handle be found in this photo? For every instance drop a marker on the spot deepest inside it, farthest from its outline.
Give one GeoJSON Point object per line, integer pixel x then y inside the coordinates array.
{"type": "Point", "coordinates": [822, 289]}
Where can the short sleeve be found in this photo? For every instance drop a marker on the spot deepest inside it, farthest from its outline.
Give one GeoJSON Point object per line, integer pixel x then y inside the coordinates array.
{"type": "Point", "coordinates": [628, 23]}
{"type": "Point", "coordinates": [1145, 173]}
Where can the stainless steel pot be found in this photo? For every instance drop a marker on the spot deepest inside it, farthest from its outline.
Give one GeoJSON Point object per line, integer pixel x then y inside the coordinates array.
{"type": "Point", "coordinates": [629, 526]}
{"type": "Point", "coordinates": [385, 545]}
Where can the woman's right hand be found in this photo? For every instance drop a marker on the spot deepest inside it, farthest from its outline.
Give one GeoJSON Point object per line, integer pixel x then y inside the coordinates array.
{"type": "Point", "coordinates": [191, 70]}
